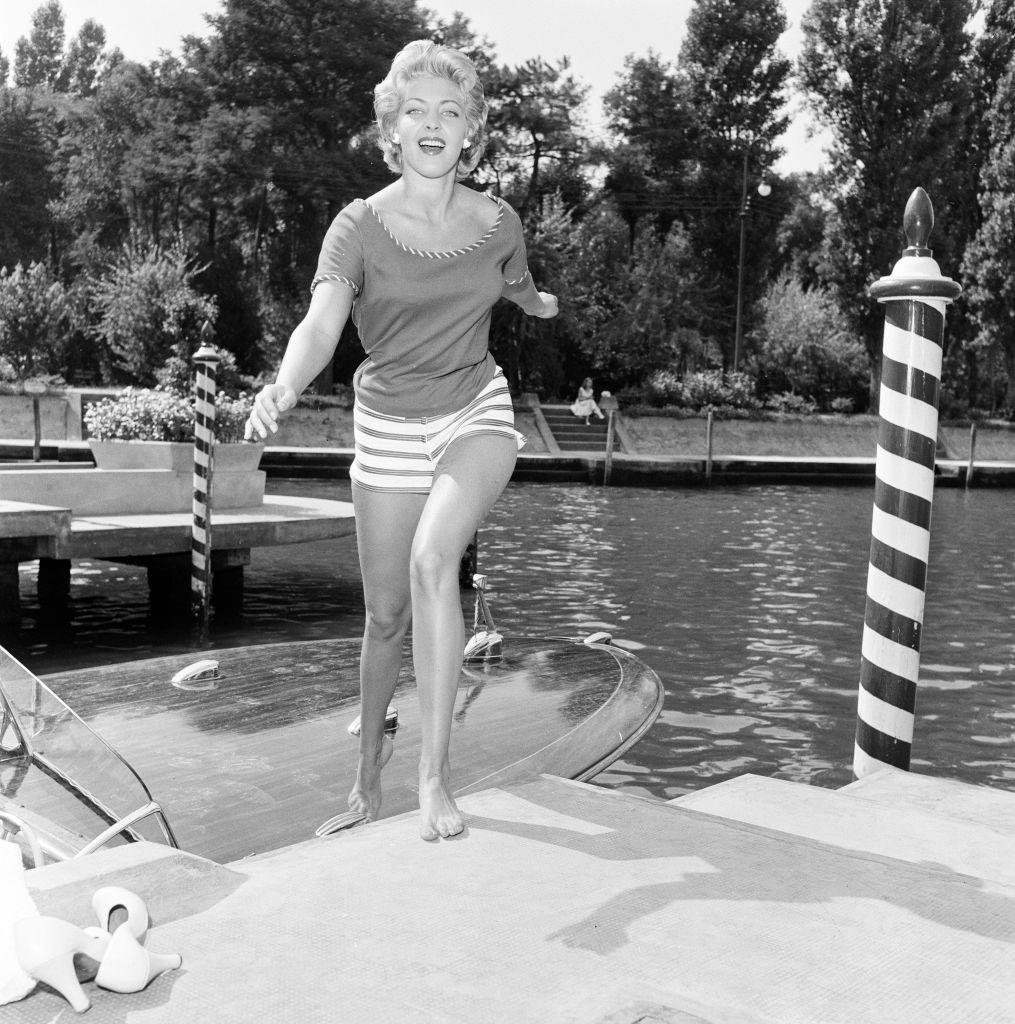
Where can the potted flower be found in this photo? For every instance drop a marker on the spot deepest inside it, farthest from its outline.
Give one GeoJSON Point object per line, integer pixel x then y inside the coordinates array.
{"type": "Point", "coordinates": [153, 428]}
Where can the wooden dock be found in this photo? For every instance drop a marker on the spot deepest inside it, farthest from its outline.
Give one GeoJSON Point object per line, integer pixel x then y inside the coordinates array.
{"type": "Point", "coordinates": [758, 901]}
{"type": "Point", "coordinates": [160, 541]}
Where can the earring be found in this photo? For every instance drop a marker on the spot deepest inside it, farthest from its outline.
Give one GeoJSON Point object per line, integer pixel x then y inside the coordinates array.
{"type": "Point", "coordinates": [395, 139]}
{"type": "Point", "coordinates": [466, 143]}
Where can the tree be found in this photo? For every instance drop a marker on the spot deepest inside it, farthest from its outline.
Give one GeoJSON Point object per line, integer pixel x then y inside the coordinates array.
{"type": "Point", "coordinates": [735, 85]}
{"type": "Point", "coordinates": [27, 148]}
{"type": "Point", "coordinates": [39, 56]}
{"type": "Point", "coordinates": [123, 160]}
{"type": "Point", "coordinates": [145, 309]}
{"type": "Point", "coordinates": [85, 60]}
{"type": "Point", "coordinates": [35, 321]}
{"type": "Point", "coordinates": [805, 346]}
{"type": "Point", "coordinates": [650, 112]}
{"type": "Point", "coordinates": [800, 237]}
{"type": "Point", "coordinates": [890, 79]}
{"type": "Point", "coordinates": [535, 121]}
{"type": "Point", "coordinates": [989, 262]}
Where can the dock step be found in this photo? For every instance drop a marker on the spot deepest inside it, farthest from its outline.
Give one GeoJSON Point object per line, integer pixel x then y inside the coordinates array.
{"type": "Point", "coordinates": [894, 829]}
{"type": "Point", "coordinates": [960, 800]}
{"type": "Point", "coordinates": [574, 903]}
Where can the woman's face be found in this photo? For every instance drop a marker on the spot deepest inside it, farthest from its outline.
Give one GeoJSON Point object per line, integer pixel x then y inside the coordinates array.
{"type": "Point", "coordinates": [431, 126]}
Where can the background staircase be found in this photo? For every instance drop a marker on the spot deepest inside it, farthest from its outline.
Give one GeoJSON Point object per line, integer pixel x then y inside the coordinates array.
{"type": "Point", "coordinates": [570, 432]}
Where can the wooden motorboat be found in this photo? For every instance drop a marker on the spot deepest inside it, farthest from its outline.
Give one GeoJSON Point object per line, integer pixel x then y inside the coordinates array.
{"type": "Point", "coordinates": [249, 750]}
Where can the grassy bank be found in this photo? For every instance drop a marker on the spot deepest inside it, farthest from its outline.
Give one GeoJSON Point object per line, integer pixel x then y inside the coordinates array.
{"type": "Point", "coordinates": [326, 423]}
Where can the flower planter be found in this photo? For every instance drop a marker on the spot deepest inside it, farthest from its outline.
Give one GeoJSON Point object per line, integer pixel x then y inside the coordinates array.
{"type": "Point", "coordinates": [177, 456]}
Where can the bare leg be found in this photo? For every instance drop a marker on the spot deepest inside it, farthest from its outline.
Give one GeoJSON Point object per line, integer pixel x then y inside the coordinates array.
{"type": "Point", "coordinates": [470, 477]}
{"type": "Point", "coordinates": [385, 525]}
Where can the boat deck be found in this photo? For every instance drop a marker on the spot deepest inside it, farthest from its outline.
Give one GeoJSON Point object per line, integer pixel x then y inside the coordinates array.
{"type": "Point", "coordinates": [263, 757]}
{"type": "Point", "coordinates": [566, 903]}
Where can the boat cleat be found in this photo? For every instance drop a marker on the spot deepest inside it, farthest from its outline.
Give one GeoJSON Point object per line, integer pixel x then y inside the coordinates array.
{"type": "Point", "coordinates": [486, 642]}
{"type": "Point", "coordinates": [201, 675]}
{"type": "Point", "coordinates": [599, 637]}
{"type": "Point", "coordinates": [390, 723]}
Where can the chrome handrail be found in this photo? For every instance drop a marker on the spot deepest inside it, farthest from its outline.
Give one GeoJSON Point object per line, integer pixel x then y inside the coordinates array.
{"type": "Point", "coordinates": [125, 825]}
{"type": "Point", "coordinates": [17, 825]}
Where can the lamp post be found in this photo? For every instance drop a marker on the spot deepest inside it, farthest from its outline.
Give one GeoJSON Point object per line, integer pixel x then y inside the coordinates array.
{"type": "Point", "coordinates": [764, 189]}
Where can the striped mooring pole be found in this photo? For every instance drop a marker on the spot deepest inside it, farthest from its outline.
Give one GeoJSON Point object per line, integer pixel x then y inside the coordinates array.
{"type": "Point", "coordinates": [204, 437]}
{"type": "Point", "coordinates": [915, 296]}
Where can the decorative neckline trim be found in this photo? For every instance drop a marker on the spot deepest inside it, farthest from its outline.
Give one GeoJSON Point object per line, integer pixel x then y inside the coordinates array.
{"type": "Point", "coordinates": [441, 254]}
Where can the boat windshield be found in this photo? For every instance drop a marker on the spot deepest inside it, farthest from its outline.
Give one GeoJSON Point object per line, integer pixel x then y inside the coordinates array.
{"type": "Point", "coordinates": [60, 779]}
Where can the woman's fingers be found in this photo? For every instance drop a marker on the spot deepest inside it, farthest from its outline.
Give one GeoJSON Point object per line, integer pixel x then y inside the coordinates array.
{"type": "Point", "coordinates": [268, 403]}
{"type": "Point", "coordinates": [549, 305]}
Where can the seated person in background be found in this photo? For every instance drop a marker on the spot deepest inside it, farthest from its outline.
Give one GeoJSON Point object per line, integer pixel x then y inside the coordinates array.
{"type": "Point", "coordinates": [585, 404]}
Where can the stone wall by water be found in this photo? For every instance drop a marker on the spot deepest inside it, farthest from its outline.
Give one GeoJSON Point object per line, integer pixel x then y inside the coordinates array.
{"type": "Point", "coordinates": [323, 423]}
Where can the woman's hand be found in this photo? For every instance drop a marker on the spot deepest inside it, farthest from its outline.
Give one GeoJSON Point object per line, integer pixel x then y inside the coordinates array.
{"type": "Point", "coordinates": [269, 403]}
{"type": "Point", "coordinates": [549, 309]}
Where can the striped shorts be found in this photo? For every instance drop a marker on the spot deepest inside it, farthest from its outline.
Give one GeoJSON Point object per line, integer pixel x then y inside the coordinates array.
{"type": "Point", "coordinates": [401, 453]}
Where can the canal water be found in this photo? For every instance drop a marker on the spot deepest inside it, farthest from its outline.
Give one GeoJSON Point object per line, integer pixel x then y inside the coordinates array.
{"type": "Point", "coordinates": [748, 602]}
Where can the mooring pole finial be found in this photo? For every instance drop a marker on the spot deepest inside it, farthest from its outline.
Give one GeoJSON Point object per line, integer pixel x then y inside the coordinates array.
{"type": "Point", "coordinates": [918, 223]}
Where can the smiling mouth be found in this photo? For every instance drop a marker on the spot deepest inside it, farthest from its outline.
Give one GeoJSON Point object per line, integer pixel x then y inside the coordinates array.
{"type": "Point", "coordinates": [431, 145]}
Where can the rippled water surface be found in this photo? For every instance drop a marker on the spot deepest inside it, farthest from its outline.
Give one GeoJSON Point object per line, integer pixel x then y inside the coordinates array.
{"type": "Point", "coordinates": [748, 603]}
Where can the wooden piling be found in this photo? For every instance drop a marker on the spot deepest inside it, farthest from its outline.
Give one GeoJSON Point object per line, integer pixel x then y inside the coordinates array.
{"type": "Point", "coordinates": [915, 296]}
{"type": "Point", "coordinates": [972, 454]}
{"type": "Point", "coordinates": [204, 439]}
{"type": "Point", "coordinates": [609, 405]}
{"type": "Point", "coordinates": [708, 449]}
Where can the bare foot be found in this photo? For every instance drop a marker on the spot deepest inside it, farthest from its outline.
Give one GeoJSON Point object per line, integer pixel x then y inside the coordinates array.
{"type": "Point", "coordinates": [438, 813]}
{"type": "Point", "coordinates": [365, 797]}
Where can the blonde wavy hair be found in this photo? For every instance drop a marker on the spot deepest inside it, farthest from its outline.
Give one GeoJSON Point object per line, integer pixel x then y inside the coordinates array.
{"type": "Point", "coordinates": [419, 58]}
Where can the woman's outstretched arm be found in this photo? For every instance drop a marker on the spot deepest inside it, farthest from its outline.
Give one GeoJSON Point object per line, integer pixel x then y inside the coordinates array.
{"type": "Point", "coordinates": [310, 348]}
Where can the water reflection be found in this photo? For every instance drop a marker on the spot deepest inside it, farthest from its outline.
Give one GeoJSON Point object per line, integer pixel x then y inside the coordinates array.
{"type": "Point", "coordinates": [748, 602]}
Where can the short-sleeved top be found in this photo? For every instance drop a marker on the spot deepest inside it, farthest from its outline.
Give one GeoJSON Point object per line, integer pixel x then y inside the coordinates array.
{"type": "Point", "coordinates": [423, 317]}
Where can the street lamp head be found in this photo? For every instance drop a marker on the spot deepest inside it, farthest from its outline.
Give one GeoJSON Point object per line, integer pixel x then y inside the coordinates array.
{"type": "Point", "coordinates": [764, 189]}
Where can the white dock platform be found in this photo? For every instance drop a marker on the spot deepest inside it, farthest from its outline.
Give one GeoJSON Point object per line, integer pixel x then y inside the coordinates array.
{"type": "Point", "coordinates": [56, 536]}
{"type": "Point", "coordinates": [563, 902]}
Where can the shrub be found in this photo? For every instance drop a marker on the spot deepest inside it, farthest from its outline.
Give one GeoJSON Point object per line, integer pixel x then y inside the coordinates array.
{"type": "Point", "coordinates": [713, 388]}
{"type": "Point", "coordinates": [35, 322]}
{"type": "Point", "coordinates": [177, 374]}
{"type": "Point", "coordinates": [146, 309]}
{"type": "Point", "coordinates": [664, 387]}
{"type": "Point", "coordinates": [842, 405]}
{"type": "Point", "coordinates": [155, 414]}
{"type": "Point", "coordinates": [806, 347]}
{"type": "Point", "coordinates": [788, 401]}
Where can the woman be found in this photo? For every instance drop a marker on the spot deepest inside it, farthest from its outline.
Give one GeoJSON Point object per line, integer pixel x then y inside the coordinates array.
{"type": "Point", "coordinates": [585, 403]}
{"type": "Point", "coordinates": [419, 267]}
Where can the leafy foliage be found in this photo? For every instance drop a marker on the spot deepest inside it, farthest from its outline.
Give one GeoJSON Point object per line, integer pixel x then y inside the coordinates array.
{"type": "Point", "coordinates": [240, 150]}
{"type": "Point", "coordinates": [156, 414]}
{"type": "Point", "coordinates": [36, 316]}
{"type": "Point", "coordinates": [890, 81]}
{"type": "Point", "coordinates": [146, 309]}
{"type": "Point", "coordinates": [806, 347]}
{"type": "Point", "coordinates": [989, 265]}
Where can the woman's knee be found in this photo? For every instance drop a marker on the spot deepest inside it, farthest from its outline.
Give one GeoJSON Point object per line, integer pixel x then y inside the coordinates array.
{"type": "Point", "coordinates": [433, 567]}
{"type": "Point", "coordinates": [388, 621]}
